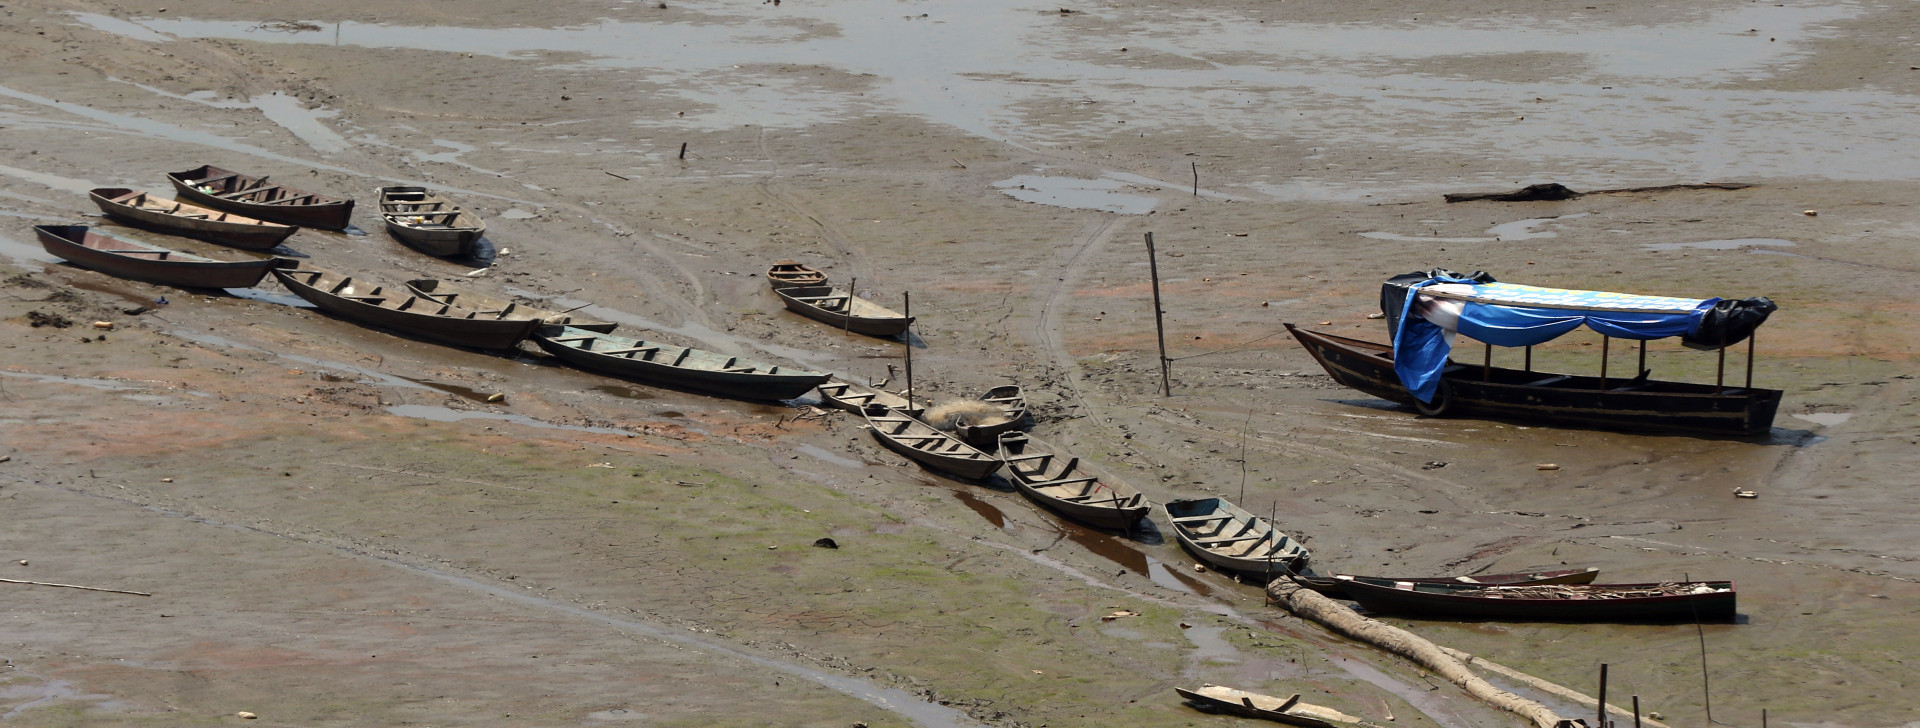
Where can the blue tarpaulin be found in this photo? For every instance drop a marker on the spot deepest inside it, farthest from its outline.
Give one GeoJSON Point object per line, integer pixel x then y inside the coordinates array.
{"type": "Point", "coordinates": [1506, 314]}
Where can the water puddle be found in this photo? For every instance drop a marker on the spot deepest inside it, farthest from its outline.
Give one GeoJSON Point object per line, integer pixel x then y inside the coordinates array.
{"type": "Point", "coordinates": [518, 214]}
{"type": "Point", "coordinates": [30, 257]}
{"type": "Point", "coordinates": [1076, 194]}
{"type": "Point", "coordinates": [303, 122]}
{"type": "Point", "coordinates": [284, 299]}
{"type": "Point", "coordinates": [1825, 419]}
{"type": "Point", "coordinates": [371, 376]}
{"type": "Point", "coordinates": [819, 453]}
{"type": "Point", "coordinates": [109, 385]}
{"type": "Point", "coordinates": [54, 181]}
{"type": "Point", "coordinates": [444, 414]}
{"type": "Point", "coordinates": [989, 511]}
{"type": "Point", "coordinates": [1734, 244]}
{"type": "Point", "coordinates": [621, 392]}
{"type": "Point", "coordinates": [1504, 232]}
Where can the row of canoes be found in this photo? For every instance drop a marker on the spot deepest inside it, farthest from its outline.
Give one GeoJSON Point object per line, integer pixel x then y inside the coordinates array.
{"type": "Point", "coordinates": [252, 213]}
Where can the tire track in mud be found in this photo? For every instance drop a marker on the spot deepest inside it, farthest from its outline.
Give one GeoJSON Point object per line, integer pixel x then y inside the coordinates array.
{"type": "Point", "coordinates": [1044, 308]}
{"type": "Point", "coordinates": [841, 244]}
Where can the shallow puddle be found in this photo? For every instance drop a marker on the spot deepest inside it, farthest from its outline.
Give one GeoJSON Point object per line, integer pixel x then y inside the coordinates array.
{"type": "Point", "coordinates": [445, 414]}
{"type": "Point", "coordinates": [303, 122]}
{"type": "Point", "coordinates": [1076, 194]}
{"type": "Point", "coordinates": [1735, 244]}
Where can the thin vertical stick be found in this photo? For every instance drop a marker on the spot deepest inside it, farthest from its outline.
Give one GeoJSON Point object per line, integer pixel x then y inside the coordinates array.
{"type": "Point", "coordinates": [846, 320]}
{"type": "Point", "coordinates": [1636, 711]}
{"type": "Point", "coordinates": [1243, 455]}
{"type": "Point", "coordinates": [1196, 178]}
{"type": "Point", "coordinates": [1763, 718]}
{"type": "Point", "coordinates": [1159, 322]}
{"type": "Point", "coordinates": [1603, 696]}
{"type": "Point", "coordinates": [1529, 358]}
{"type": "Point", "coordinates": [683, 150]}
{"type": "Point", "coordinates": [1720, 370]}
{"type": "Point", "coordinates": [1486, 365]}
{"type": "Point", "coordinates": [1643, 359]}
{"type": "Point", "coordinates": [907, 297]}
{"type": "Point", "coordinates": [1606, 343]}
{"type": "Point", "coordinates": [1750, 358]}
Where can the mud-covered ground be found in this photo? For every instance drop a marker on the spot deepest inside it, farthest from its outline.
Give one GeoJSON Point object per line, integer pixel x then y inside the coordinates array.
{"type": "Point", "coordinates": [337, 527]}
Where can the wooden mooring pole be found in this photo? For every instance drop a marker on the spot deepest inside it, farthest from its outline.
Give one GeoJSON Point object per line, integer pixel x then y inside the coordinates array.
{"type": "Point", "coordinates": [907, 303]}
{"type": "Point", "coordinates": [1159, 319]}
{"type": "Point", "coordinates": [1603, 696]}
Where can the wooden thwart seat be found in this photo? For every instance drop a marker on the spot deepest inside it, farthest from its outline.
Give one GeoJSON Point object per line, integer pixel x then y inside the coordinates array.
{"type": "Point", "coordinates": [1201, 519]}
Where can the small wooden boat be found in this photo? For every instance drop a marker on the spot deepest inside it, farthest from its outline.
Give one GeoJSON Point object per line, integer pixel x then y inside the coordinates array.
{"type": "Point", "coordinates": [1226, 536]}
{"type": "Point", "coordinates": [137, 208]}
{"type": "Point", "coordinates": [1219, 698]}
{"type": "Point", "coordinates": [1665, 602]}
{"type": "Point", "coordinates": [438, 290]}
{"type": "Point", "coordinates": [789, 274]}
{"type": "Point", "coordinates": [1012, 404]}
{"type": "Point", "coordinates": [1067, 486]}
{"type": "Point", "coordinates": [855, 398]}
{"type": "Point", "coordinates": [222, 189]}
{"type": "Point", "coordinates": [1332, 585]}
{"type": "Point", "coordinates": [428, 222]}
{"type": "Point", "coordinates": [923, 444]}
{"type": "Point", "coordinates": [151, 263]}
{"type": "Point", "coordinates": [373, 305]}
{"type": "Point", "coordinates": [844, 310]}
{"type": "Point", "coordinates": [662, 364]}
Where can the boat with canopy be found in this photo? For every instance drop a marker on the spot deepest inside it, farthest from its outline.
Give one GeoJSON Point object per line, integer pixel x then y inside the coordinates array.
{"type": "Point", "coordinates": [1426, 311]}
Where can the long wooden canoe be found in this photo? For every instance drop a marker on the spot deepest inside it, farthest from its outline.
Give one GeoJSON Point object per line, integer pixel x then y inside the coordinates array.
{"type": "Point", "coordinates": [844, 310]}
{"type": "Point", "coordinates": [140, 209]}
{"type": "Point", "coordinates": [374, 305]}
{"type": "Point", "coordinates": [1512, 394]}
{"type": "Point", "coordinates": [855, 398]}
{"type": "Point", "coordinates": [662, 364]}
{"type": "Point", "coordinates": [223, 189]}
{"type": "Point", "coordinates": [1012, 404]}
{"type": "Point", "coordinates": [428, 222]}
{"type": "Point", "coordinates": [1066, 485]}
{"type": "Point", "coordinates": [1332, 586]}
{"type": "Point", "coordinates": [1663, 602]}
{"type": "Point", "coordinates": [139, 261]}
{"type": "Point", "coordinates": [1225, 535]}
{"type": "Point", "coordinates": [929, 447]}
{"type": "Point", "coordinates": [789, 274]}
{"type": "Point", "coordinates": [1219, 698]}
{"type": "Point", "coordinates": [439, 290]}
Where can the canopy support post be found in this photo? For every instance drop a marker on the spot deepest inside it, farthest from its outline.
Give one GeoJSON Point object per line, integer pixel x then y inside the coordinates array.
{"type": "Point", "coordinates": [1606, 342]}
{"type": "Point", "coordinates": [1529, 359]}
{"type": "Point", "coordinates": [1643, 359]}
{"type": "Point", "coordinates": [1750, 359]}
{"type": "Point", "coordinates": [1486, 364]}
{"type": "Point", "coordinates": [1720, 370]}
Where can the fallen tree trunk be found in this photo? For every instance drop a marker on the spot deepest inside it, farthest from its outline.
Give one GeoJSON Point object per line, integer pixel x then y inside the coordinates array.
{"type": "Point", "coordinates": [1542, 685]}
{"type": "Point", "coordinates": [1309, 604]}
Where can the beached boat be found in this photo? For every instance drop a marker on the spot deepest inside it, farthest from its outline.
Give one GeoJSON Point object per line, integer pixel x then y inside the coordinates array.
{"type": "Point", "coordinates": [1222, 699]}
{"type": "Point", "coordinates": [923, 444]}
{"type": "Point", "coordinates": [1332, 585]}
{"type": "Point", "coordinates": [475, 301]}
{"type": "Point", "coordinates": [661, 364]}
{"type": "Point", "coordinates": [789, 274]}
{"type": "Point", "coordinates": [855, 398]}
{"type": "Point", "coordinates": [844, 310]}
{"type": "Point", "coordinates": [1068, 486]}
{"type": "Point", "coordinates": [428, 222]}
{"type": "Point", "coordinates": [1663, 602]}
{"type": "Point", "coordinates": [222, 189]}
{"type": "Point", "coordinates": [140, 209]}
{"type": "Point", "coordinates": [1226, 536]}
{"type": "Point", "coordinates": [399, 310]}
{"type": "Point", "coordinates": [1421, 308]}
{"type": "Point", "coordinates": [1012, 406]}
{"type": "Point", "coordinates": [139, 261]}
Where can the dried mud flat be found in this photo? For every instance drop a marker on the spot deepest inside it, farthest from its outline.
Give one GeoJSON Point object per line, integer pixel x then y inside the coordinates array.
{"type": "Point", "coordinates": [337, 528]}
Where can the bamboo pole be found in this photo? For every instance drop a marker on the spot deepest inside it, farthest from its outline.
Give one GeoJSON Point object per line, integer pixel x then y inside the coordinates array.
{"type": "Point", "coordinates": [907, 299]}
{"type": "Point", "coordinates": [1750, 338]}
{"type": "Point", "coordinates": [1606, 344]}
{"type": "Point", "coordinates": [1159, 319]}
{"type": "Point", "coordinates": [75, 586]}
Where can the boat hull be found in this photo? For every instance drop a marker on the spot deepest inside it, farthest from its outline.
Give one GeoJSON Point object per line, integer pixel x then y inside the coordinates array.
{"type": "Point", "coordinates": [1332, 587]}
{"type": "Point", "coordinates": [1255, 705]}
{"type": "Point", "coordinates": [967, 462]}
{"type": "Point", "coordinates": [1478, 602]}
{"type": "Point", "coordinates": [1511, 394]}
{"type": "Point", "coordinates": [849, 397]}
{"type": "Point", "coordinates": [70, 242]}
{"type": "Point", "coordinates": [747, 386]}
{"type": "Point", "coordinates": [399, 208]}
{"type": "Point", "coordinates": [247, 235]}
{"type": "Point", "coordinates": [1290, 556]}
{"type": "Point", "coordinates": [457, 331]}
{"type": "Point", "coordinates": [1124, 507]}
{"type": "Point", "coordinates": [431, 288]}
{"type": "Point", "coordinates": [881, 325]}
{"type": "Point", "coordinates": [327, 213]}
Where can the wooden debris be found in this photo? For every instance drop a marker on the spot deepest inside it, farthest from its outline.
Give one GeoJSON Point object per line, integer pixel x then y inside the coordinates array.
{"type": "Point", "coordinates": [73, 586]}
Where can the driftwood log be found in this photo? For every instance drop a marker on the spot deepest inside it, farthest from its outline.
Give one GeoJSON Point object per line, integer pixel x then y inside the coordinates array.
{"type": "Point", "coordinates": [1544, 686]}
{"type": "Point", "coordinates": [1309, 604]}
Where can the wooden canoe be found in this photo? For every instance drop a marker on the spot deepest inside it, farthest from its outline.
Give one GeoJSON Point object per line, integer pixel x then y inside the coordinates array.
{"type": "Point", "coordinates": [222, 189]}
{"type": "Point", "coordinates": [438, 290]}
{"type": "Point", "coordinates": [1630, 405]}
{"type": "Point", "coordinates": [1064, 484]}
{"type": "Point", "coordinates": [1225, 535]}
{"type": "Point", "coordinates": [665, 365]}
{"type": "Point", "coordinates": [139, 261]}
{"type": "Point", "coordinates": [844, 310]}
{"type": "Point", "coordinates": [398, 310]}
{"type": "Point", "coordinates": [789, 274]}
{"type": "Point", "coordinates": [931, 448]}
{"type": "Point", "coordinates": [137, 208]}
{"type": "Point", "coordinates": [855, 398]}
{"type": "Point", "coordinates": [1668, 602]}
{"type": "Point", "coordinates": [1219, 698]}
{"type": "Point", "coordinates": [1012, 404]}
{"type": "Point", "coordinates": [428, 222]}
{"type": "Point", "coordinates": [1332, 585]}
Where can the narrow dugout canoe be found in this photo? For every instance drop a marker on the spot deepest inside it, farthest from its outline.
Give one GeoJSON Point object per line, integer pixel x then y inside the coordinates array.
{"type": "Point", "coordinates": [1332, 585]}
{"type": "Point", "coordinates": [789, 274]}
{"type": "Point", "coordinates": [428, 222]}
{"type": "Point", "coordinates": [139, 261]}
{"type": "Point", "coordinates": [844, 310]}
{"type": "Point", "coordinates": [929, 447]}
{"type": "Point", "coordinates": [1070, 487]}
{"type": "Point", "coordinates": [662, 364]}
{"type": "Point", "coordinates": [140, 209]}
{"type": "Point", "coordinates": [466, 298]}
{"type": "Point", "coordinates": [1227, 536]}
{"type": "Point", "coordinates": [1653, 602]}
{"type": "Point", "coordinates": [854, 398]}
{"type": "Point", "coordinates": [224, 189]}
{"type": "Point", "coordinates": [373, 305]}
{"type": "Point", "coordinates": [1011, 402]}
